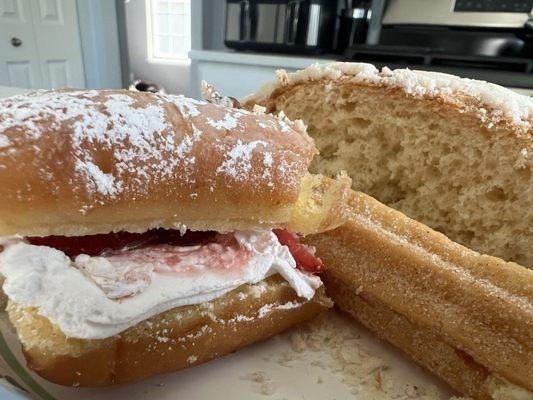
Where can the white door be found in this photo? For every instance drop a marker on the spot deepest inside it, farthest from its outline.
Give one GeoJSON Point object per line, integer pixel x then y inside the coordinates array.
{"type": "Point", "coordinates": [40, 44]}
{"type": "Point", "coordinates": [19, 62]}
{"type": "Point", "coordinates": [57, 37]}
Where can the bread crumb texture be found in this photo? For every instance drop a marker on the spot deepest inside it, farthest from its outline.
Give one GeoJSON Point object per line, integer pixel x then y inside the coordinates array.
{"type": "Point", "coordinates": [455, 154]}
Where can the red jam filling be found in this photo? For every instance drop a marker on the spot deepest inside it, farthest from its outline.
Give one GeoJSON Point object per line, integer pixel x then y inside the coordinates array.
{"type": "Point", "coordinates": [113, 243]}
{"type": "Point", "coordinates": [103, 244]}
{"type": "Point", "coordinates": [303, 255]}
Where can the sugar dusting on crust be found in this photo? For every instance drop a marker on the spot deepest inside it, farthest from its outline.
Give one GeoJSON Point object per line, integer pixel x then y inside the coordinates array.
{"type": "Point", "coordinates": [238, 160]}
{"type": "Point", "coordinates": [466, 275]}
{"type": "Point", "coordinates": [501, 103]}
{"type": "Point", "coordinates": [111, 122]}
{"type": "Point", "coordinates": [230, 120]}
{"type": "Point", "coordinates": [97, 179]}
{"type": "Point", "coordinates": [121, 141]}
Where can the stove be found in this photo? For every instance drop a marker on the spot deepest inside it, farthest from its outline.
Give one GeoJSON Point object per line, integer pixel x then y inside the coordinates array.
{"type": "Point", "coordinates": [483, 39]}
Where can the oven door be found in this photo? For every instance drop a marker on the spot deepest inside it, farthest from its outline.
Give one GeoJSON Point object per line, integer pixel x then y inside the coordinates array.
{"type": "Point", "coordinates": [238, 23]}
{"type": "Point", "coordinates": [279, 22]}
{"type": "Point", "coordinates": [465, 13]}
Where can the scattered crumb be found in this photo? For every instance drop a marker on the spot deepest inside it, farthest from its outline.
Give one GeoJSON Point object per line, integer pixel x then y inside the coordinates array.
{"type": "Point", "coordinates": [379, 380]}
{"type": "Point", "coordinates": [262, 383]}
{"type": "Point", "coordinates": [336, 347]}
{"type": "Point", "coordinates": [318, 363]}
{"type": "Point", "coordinates": [285, 359]}
{"type": "Point", "coordinates": [501, 389]}
{"type": "Point", "coordinates": [192, 359]}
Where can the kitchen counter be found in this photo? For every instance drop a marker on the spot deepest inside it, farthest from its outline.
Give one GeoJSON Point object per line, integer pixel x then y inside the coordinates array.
{"type": "Point", "coordinates": [240, 73]}
{"type": "Point", "coordinates": [265, 59]}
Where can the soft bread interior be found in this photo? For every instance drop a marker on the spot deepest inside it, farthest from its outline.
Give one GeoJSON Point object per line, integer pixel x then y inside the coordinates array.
{"type": "Point", "coordinates": [431, 158]}
{"type": "Point", "coordinates": [479, 305]}
{"type": "Point", "coordinates": [173, 340]}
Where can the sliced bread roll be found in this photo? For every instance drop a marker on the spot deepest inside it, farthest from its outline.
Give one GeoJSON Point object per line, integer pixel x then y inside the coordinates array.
{"type": "Point", "coordinates": [143, 233]}
{"type": "Point", "coordinates": [466, 317]}
{"type": "Point", "coordinates": [454, 153]}
{"type": "Point", "coordinates": [81, 162]}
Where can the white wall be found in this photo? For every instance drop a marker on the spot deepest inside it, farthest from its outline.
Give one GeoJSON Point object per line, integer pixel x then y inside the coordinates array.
{"type": "Point", "coordinates": [213, 24]}
{"type": "Point", "coordinates": [174, 77]}
{"type": "Point", "coordinates": [100, 43]}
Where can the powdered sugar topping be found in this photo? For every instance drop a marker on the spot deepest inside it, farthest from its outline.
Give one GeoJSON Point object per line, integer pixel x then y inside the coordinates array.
{"type": "Point", "coordinates": [186, 105]}
{"type": "Point", "coordinates": [102, 182]}
{"type": "Point", "coordinates": [131, 132]}
{"type": "Point", "coordinates": [116, 145]}
{"type": "Point", "coordinates": [238, 161]}
{"type": "Point", "coordinates": [502, 102]}
{"type": "Point", "coordinates": [4, 141]}
{"type": "Point", "coordinates": [228, 122]}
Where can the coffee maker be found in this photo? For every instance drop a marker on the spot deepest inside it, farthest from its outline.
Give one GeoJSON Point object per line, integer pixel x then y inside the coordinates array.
{"type": "Point", "coordinates": [296, 26]}
{"type": "Point", "coordinates": [354, 21]}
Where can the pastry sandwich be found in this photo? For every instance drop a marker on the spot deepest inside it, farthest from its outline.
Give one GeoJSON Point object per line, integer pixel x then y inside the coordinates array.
{"type": "Point", "coordinates": [146, 233]}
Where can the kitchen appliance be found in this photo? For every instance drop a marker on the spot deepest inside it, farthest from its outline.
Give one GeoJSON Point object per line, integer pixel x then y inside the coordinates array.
{"type": "Point", "coordinates": [298, 26]}
{"type": "Point", "coordinates": [465, 13]}
{"type": "Point", "coordinates": [353, 24]}
{"type": "Point", "coordinates": [483, 39]}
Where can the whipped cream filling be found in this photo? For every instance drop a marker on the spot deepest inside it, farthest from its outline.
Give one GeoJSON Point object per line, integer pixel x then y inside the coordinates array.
{"type": "Point", "coordinates": [97, 297]}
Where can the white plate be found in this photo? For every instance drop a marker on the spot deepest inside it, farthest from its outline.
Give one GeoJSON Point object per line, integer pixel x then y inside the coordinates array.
{"type": "Point", "coordinates": [268, 370]}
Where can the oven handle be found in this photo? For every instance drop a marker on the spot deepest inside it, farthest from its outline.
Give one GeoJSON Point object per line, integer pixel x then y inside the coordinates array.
{"type": "Point", "coordinates": [244, 33]}
{"type": "Point", "coordinates": [291, 22]}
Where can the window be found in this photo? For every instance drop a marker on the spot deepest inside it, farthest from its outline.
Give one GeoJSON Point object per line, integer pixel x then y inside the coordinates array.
{"type": "Point", "coordinates": [169, 29]}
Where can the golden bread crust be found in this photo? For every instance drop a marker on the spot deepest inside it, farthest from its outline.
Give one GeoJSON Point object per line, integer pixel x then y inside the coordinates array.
{"type": "Point", "coordinates": [424, 345]}
{"type": "Point", "coordinates": [491, 103]}
{"type": "Point", "coordinates": [479, 304]}
{"type": "Point", "coordinates": [75, 162]}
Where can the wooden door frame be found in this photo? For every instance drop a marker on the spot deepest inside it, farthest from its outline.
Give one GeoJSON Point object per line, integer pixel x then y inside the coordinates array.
{"type": "Point", "coordinates": [103, 43]}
